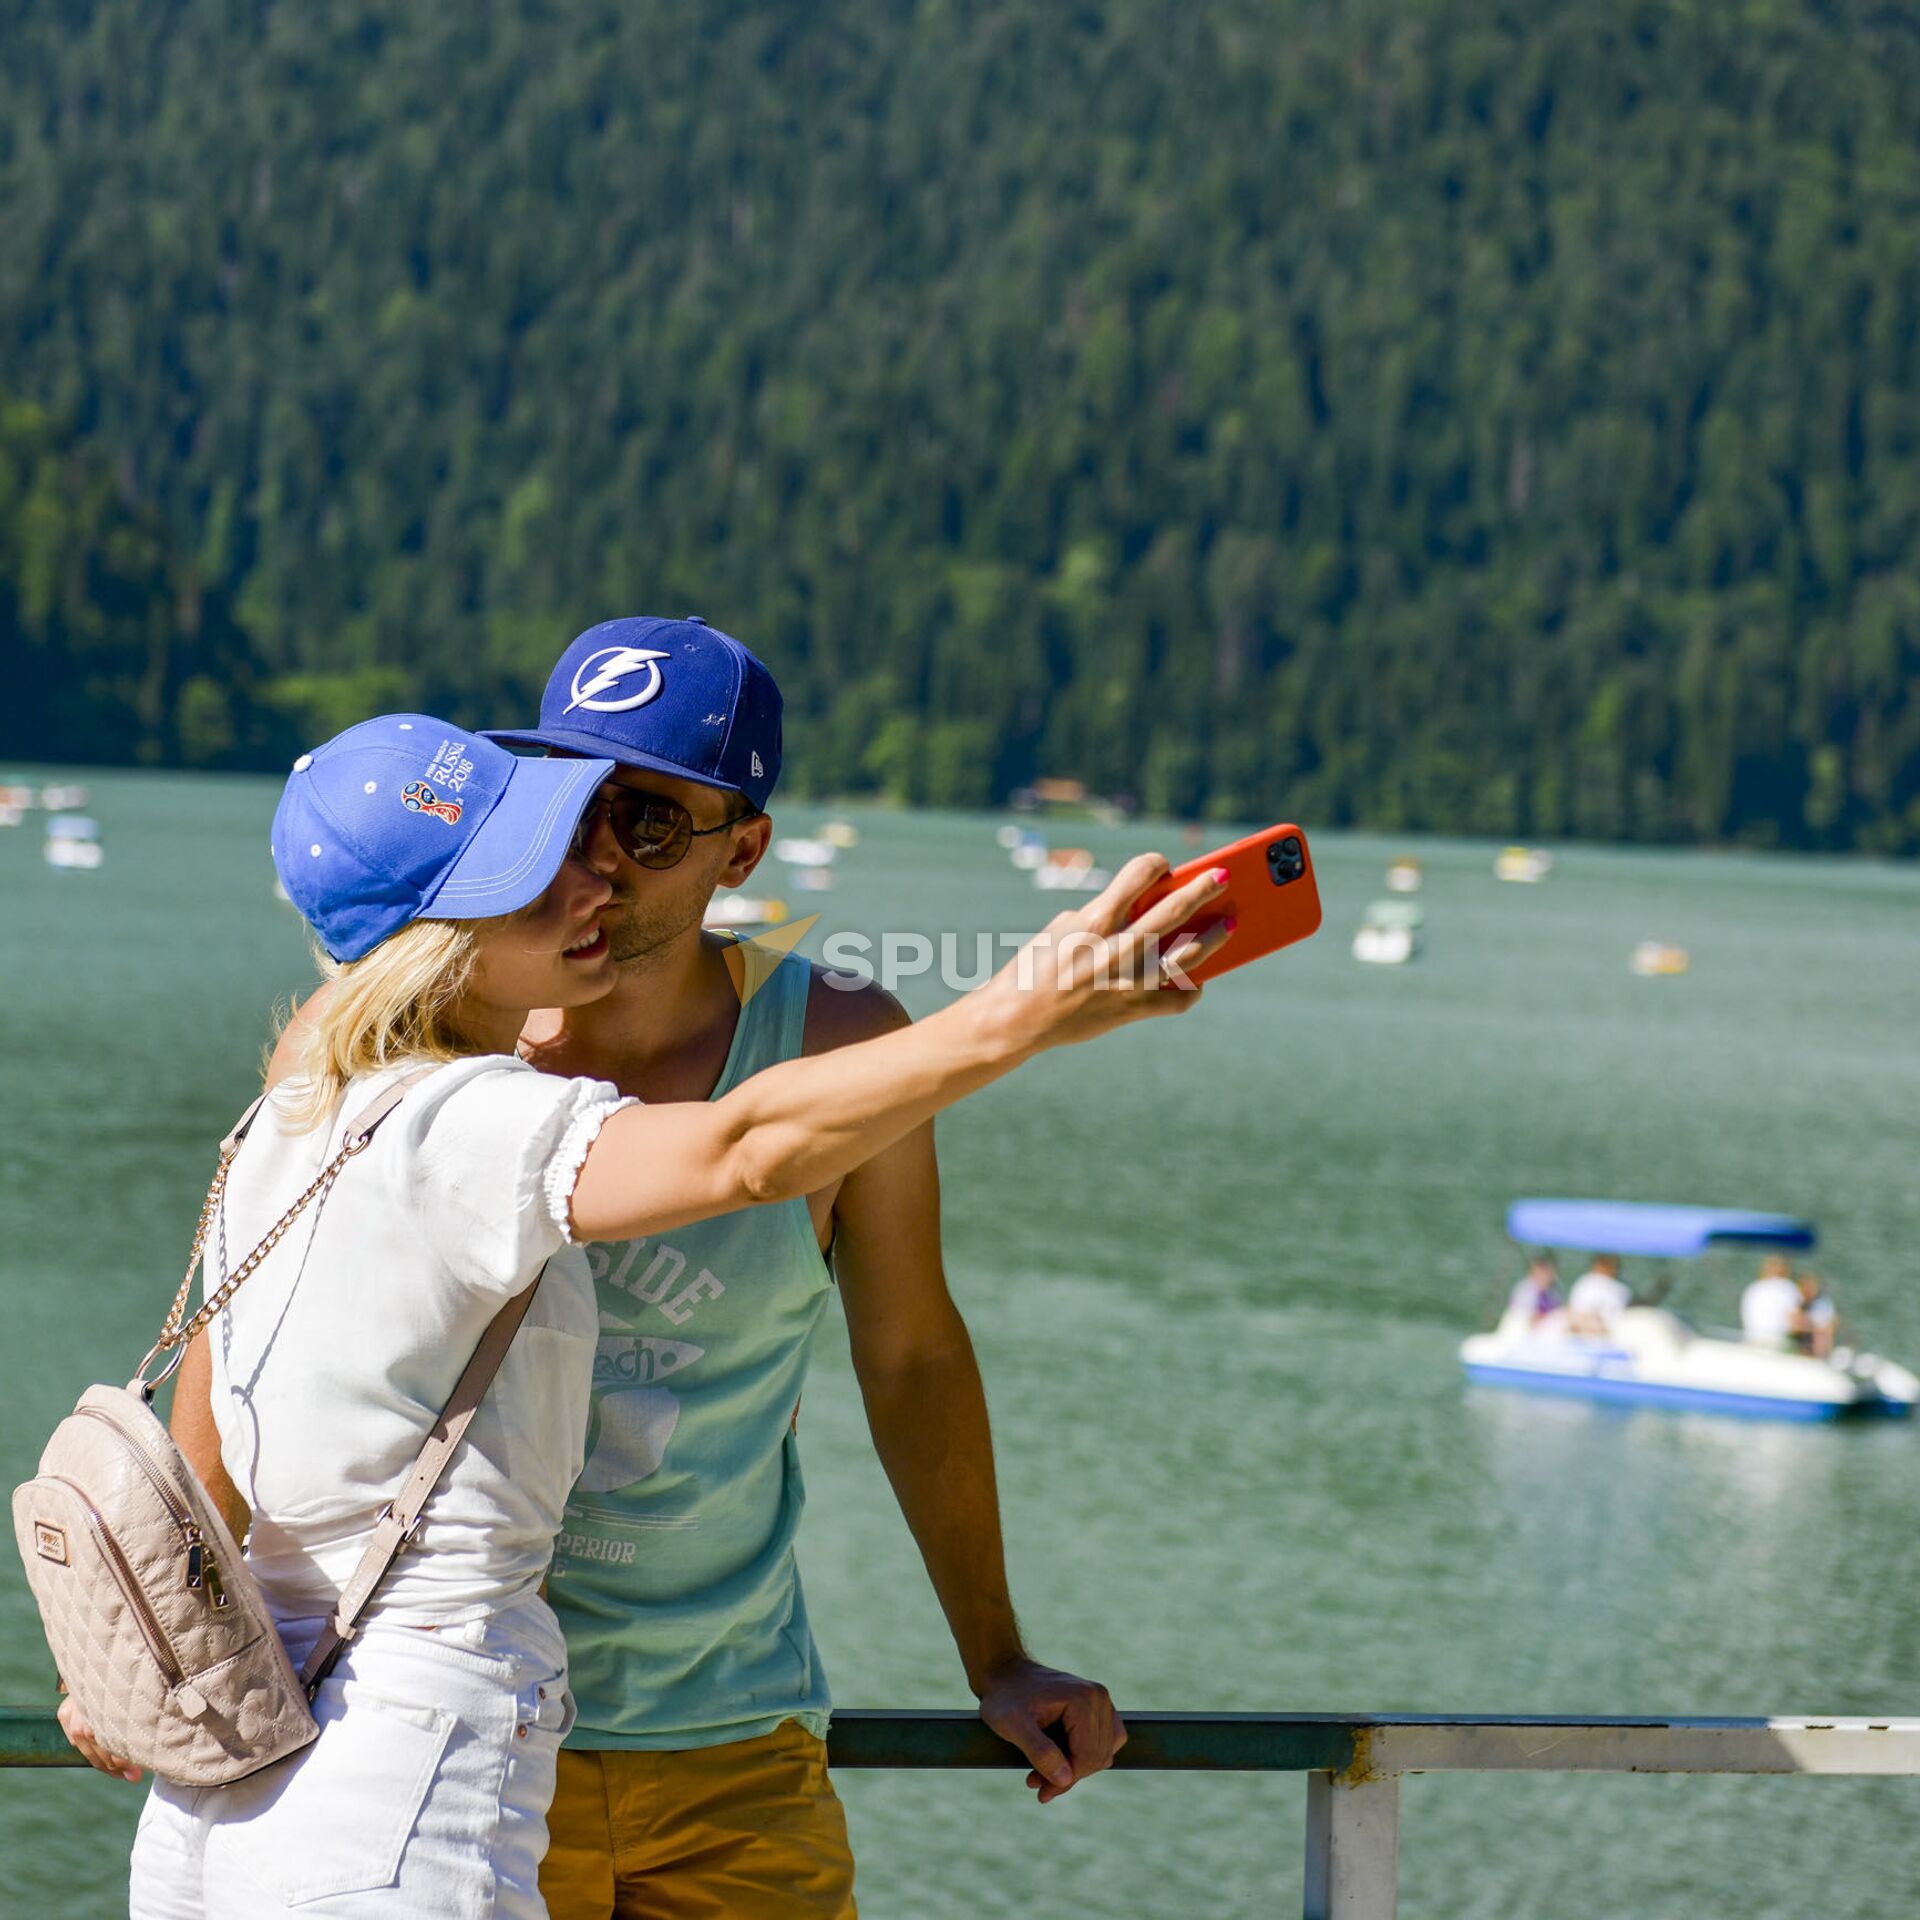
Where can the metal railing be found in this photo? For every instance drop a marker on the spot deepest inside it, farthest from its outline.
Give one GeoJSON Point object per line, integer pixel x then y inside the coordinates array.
{"type": "Point", "coordinates": [1353, 1762]}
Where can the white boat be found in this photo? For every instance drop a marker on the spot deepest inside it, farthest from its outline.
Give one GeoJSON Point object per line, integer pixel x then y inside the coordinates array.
{"type": "Point", "coordinates": [73, 843]}
{"type": "Point", "coordinates": [1404, 876]}
{"type": "Point", "coordinates": [1652, 959]}
{"type": "Point", "coordinates": [738, 912]}
{"type": "Point", "coordinates": [1389, 934]}
{"type": "Point", "coordinates": [1524, 866]}
{"type": "Point", "coordinates": [805, 853]}
{"type": "Point", "coordinates": [1027, 851]}
{"type": "Point", "coordinates": [1068, 870]}
{"type": "Point", "coordinates": [1653, 1357]}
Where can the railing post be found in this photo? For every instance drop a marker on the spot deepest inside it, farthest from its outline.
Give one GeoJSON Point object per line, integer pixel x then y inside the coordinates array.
{"type": "Point", "coordinates": [1353, 1847]}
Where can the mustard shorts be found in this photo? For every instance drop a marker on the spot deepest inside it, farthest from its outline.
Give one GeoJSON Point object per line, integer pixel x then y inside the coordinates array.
{"type": "Point", "coordinates": [748, 1831]}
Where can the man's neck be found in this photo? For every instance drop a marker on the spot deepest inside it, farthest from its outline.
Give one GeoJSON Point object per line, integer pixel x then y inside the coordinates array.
{"type": "Point", "coordinates": [663, 1033]}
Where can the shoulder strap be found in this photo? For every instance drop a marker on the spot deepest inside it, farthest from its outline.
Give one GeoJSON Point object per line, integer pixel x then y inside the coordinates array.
{"type": "Point", "coordinates": [179, 1329]}
{"type": "Point", "coordinates": [231, 1144]}
{"type": "Point", "coordinates": [358, 1130]}
{"type": "Point", "coordinates": [394, 1528]}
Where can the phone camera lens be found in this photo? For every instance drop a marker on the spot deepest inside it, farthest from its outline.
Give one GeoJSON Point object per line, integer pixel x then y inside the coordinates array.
{"type": "Point", "coordinates": [1286, 860]}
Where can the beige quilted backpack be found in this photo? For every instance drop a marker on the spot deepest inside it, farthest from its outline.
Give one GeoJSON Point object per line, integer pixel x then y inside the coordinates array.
{"type": "Point", "coordinates": [157, 1627]}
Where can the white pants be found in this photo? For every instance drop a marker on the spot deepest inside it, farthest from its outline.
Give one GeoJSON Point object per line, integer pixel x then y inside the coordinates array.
{"type": "Point", "coordinates": [424, 1798]}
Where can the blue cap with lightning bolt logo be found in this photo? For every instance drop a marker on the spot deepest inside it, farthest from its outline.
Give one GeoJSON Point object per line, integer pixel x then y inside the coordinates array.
{"type": "Point", "coordinates": [677, 696]}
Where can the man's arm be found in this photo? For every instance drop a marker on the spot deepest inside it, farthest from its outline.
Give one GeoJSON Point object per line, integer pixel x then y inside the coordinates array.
{"type": "Point", "coordinates": [928, 1414]}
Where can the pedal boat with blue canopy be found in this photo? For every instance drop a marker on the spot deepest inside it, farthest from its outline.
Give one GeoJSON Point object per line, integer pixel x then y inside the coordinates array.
{"type": "Point", "coordinates": [1652, 1356]}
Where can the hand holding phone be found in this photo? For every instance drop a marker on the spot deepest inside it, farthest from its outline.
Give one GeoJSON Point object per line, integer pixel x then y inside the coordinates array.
{"type": "Point", "coordinates": [1271, 895]}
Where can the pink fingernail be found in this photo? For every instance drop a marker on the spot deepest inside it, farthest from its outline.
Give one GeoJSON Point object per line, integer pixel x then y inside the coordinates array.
{"type": "Point", "coordinates": [1218, 876]}
{"type": "Point", "coordinates": [1232, 921]}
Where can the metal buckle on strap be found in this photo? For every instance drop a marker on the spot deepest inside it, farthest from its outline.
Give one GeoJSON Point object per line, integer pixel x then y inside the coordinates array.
{"type": "Point", "coordinates": [406, 1533]}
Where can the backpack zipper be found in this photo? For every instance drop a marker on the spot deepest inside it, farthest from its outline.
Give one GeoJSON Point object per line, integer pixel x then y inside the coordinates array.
{"type": "Point", "coordinates": [202, 1572]}
{"type": "Point", "coordinates": [157, 1643]}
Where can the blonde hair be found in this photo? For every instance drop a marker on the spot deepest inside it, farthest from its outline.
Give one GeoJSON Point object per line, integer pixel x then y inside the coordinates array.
{"type": "Point", "coordinates": [400, 1002]}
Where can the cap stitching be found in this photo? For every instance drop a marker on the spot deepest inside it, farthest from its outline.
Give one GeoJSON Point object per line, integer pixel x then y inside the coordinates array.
{"type": "Point", "coordinates": [733, 716]}
{"type": "Point", "coordinates": [489, 883]}
{"type": "Point", "coordinates": [457, 886]}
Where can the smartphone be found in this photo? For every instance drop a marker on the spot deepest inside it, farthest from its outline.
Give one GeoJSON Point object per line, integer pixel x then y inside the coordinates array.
{"type": "Point", "coordinates": [1271, 892]}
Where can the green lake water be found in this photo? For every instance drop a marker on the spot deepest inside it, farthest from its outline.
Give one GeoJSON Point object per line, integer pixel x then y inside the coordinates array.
{"type": "Point", "coordinates": [1217, 1269]}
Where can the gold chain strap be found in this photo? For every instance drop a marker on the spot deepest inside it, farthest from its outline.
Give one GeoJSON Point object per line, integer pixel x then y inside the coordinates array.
{"type": "Point", "coordinates": [177, 1330]}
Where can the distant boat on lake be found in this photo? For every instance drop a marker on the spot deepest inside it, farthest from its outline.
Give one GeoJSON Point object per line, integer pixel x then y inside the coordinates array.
{"type": "Point", "coordinates": [73, 843]}
{"type": "Point", "coordinates": [1524, 866]}
{"type": "Point", "coordinates": [1069, 870]}
{"type": "Point", "coordinates": [1653, 958]}
{"type": "Point", "coordinates": [805, 853]}
{"type": "Point", "coordinates": [1389, 933]}
{"type": "Point", "coordinates": [1650, 1356]}
{"type": "Point", "coordinates": [743, 912]}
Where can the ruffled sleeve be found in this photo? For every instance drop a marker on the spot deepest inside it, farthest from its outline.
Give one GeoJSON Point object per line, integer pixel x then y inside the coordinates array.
{"type": "Point", "coordinates": [563, 1170]}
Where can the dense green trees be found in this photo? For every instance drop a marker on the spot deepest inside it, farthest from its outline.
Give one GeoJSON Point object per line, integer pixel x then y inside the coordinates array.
{"type": "Point", "coordinates": [1436, 413]}
{"type": "Point", "coordinates": [112, 649]}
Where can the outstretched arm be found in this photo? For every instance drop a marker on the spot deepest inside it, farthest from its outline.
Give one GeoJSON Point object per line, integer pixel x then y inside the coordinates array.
{"type": "Point", "coordinates": [799, 1126]}
{"type": "Point", "coordinates": [928, 1414]}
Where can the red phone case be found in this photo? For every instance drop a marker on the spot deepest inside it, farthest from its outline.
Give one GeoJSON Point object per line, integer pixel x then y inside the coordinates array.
{"type": "Point", "coordinates": [1270, 916]}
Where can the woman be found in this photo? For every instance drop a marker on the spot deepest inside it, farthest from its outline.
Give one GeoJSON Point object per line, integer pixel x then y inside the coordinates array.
{"type": "Point", "coordinates": [435, 870]}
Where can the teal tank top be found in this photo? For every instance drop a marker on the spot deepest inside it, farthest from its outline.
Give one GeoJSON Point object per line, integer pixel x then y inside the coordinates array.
{"type": "Point", "coordinates": [674, 1573]}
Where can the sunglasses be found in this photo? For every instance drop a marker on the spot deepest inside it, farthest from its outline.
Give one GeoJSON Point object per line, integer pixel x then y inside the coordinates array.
{"type": "Point", "coordinates": [651, 830]}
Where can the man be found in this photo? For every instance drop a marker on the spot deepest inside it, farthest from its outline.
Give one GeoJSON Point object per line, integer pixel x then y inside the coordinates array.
{"type": "Point", "coordinates": [1788, 1311]}
{"type": "Point", "coordinates": [1819, 1319]}
{"type": "Point", "coordinates": [1598, 1298]}
{"type": "Point", "coordinates": [695, 1778]}
{"type": "Point", "coordinates": [1770, 1309]}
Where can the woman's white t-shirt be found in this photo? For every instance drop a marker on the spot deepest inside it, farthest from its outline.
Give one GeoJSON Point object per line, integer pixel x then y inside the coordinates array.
{"type": "Point", "coordinates": [335, 1357]}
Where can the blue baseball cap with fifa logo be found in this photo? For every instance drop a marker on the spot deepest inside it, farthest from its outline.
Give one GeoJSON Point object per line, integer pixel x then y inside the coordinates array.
{"type": "Point", "coordinates": [408, 818]}
{"type": "Point", "coordinates": [677, 696]}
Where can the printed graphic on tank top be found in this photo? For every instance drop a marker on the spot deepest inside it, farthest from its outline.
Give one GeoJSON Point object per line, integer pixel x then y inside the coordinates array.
{"type": "Point", "coordinates": [674, 1573]}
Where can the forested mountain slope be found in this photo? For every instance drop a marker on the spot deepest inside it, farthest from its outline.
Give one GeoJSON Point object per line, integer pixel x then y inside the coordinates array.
{"type": "Point", "coordinates": [1417, 412]}
{"type": "Point", "coordinates": [111, 647]}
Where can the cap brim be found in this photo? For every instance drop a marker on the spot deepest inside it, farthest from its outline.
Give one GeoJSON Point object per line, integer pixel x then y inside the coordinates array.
{"type": "Point", "coordinates": [517, 849]}
{"type": "Point", "coordinates": [567, 741]}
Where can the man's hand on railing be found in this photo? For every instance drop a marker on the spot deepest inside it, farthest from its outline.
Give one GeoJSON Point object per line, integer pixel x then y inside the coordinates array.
{"type": "Point", "coordinates": [73, 1723]}
{"type": "Point", "coordinates": [1024, 1701]}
